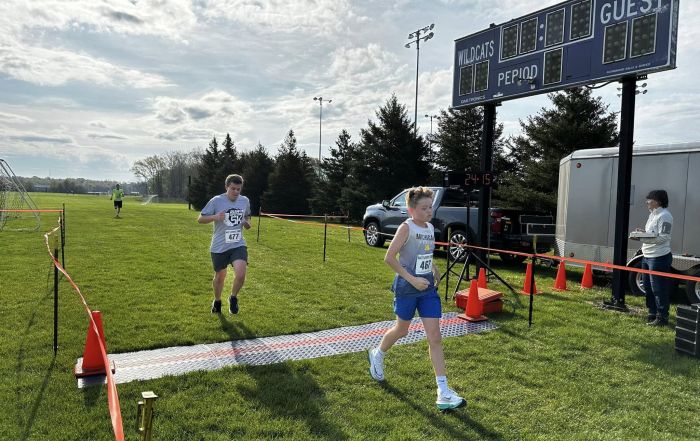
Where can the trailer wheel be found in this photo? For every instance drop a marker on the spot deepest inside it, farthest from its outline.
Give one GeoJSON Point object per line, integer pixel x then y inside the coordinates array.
{"type": "Point", "coordinates": [634, 280]}
{"type": "Point", "coordinates": [692, 289]}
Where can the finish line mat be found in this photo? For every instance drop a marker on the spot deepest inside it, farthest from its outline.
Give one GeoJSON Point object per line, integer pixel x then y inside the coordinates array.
{"type": "Point", "coordinates": [146, 365]}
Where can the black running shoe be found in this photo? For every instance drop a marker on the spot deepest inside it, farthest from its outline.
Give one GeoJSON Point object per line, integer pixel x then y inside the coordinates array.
{"type": "Point", "coordinates": [216, 307]}
{"type": "Point", "coordinates": [233, 305]}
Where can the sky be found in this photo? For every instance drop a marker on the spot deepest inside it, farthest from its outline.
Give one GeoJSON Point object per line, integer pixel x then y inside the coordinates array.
{"type": "Point", "coordinates": [87, 87]}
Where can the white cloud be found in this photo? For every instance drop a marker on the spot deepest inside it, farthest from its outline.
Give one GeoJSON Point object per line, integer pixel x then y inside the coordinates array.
{"type": "Point", "coordinates": [55, 66]}
{"type": "Point", "coordinates": [14, 118]}
{"type": "Point", "coordinates": [317, 17]}
{"type": "Point", "coordinates": [171, 19]}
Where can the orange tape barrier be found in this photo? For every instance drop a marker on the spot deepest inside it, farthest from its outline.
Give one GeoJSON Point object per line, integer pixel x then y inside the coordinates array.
{"type": "Point", "coordinates": [517, 253]}
{"type": "Point", "coordinates": [299, 215]}
{"type": "Point", "coordinates": [112, 396]}
{"type": "Point", "coordinates": [32, 211]}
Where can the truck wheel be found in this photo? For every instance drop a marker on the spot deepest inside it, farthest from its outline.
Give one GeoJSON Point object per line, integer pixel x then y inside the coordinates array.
{"type": "Point", "coordinates": [457, 253]}
{"type": "Point", "coordinates": [512, 259]}
{"type": "Point", "coordinates": [634, 280]}
{"type": "Point", "coordinates": [372, 235]}
{"type": "Point", "coordinates": [692, 289]}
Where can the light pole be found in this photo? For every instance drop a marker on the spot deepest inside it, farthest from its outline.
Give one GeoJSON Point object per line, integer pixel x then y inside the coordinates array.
{"type": "Point", "coordinates": [430, 140]}
{"type": "Point", "coordinates": [320, 118]}
{"type": "Point", "coordinates": [431, 123]}
{"type": "Point", "coordinates": [416, 37]}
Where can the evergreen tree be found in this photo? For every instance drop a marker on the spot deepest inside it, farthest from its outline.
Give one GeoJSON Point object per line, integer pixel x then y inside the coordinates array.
{"type": "Point", "coordinates": [459, 140]}
{"type": "Point", "coordinates": [256, 166]}
{"type": "Point", "coordinates": [204, 186]}
{"type": "Point", "coordinates": [389, 158]}
{"type": "Point", "coordinates": [334, 171]}
{"type": "Point", "coordinates": [577, 121]}
{"type": "Point", "coordinates": [228, 160]}
{"type": "Point", "coordinates": [289, 184]}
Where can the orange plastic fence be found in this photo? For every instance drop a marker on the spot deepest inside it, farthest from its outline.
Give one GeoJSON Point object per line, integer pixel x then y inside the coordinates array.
{"type": "Point", "coordinates": [112, 395]}
{"type": "Point", "coordinates": [517, 253]}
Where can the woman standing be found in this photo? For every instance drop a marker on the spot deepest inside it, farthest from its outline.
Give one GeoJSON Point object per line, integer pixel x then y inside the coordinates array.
{"type": "Point", "coordinates": [657, 257]}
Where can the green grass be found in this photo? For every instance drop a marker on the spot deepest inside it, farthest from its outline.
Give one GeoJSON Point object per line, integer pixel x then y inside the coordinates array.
{"type": "Point", "coordinates": [579, 373]}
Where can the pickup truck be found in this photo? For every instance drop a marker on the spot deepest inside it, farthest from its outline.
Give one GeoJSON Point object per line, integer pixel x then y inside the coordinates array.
{"type": "Point", "coordinates": [507, 226]}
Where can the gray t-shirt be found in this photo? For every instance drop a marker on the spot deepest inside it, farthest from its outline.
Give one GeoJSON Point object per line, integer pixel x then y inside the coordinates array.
{"type": "Point", "coordinates": [228, 233]}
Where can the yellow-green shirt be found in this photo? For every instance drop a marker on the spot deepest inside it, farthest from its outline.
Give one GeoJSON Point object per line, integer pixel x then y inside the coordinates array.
{"type": "Point", "coordinates": [117, 195]}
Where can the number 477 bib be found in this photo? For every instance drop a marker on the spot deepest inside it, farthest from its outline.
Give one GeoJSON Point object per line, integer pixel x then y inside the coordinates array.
{"type": "Point", "coordinates": [233, 236]}
{"type": "Point", "coordinates": [424, 264]}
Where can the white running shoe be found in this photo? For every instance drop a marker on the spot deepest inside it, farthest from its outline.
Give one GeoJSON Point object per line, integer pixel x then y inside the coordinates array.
{"type": "Point", "coordinates": [376, 365]}
{"type": "Point", "coordinates": [449, 400]}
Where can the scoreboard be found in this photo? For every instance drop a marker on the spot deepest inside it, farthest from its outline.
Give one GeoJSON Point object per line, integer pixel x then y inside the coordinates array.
{"type": "Point", "coordinates": [569, 44]}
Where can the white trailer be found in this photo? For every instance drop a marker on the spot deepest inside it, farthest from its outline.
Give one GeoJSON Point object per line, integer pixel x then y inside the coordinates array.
{"type": "Point", "coordinates": [588, 195]}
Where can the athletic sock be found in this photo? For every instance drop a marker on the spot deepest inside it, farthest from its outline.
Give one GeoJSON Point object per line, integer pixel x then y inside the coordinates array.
{"type": "Point", "coordinates": [441, 381]}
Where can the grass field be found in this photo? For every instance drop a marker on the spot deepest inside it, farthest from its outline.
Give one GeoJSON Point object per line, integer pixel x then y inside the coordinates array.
{"type": "Point", "coordinates": [579, 373]}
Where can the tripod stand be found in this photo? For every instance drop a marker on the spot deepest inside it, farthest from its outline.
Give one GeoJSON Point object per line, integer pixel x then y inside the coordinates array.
{"type": "Point", "coordinates": [465, 273]}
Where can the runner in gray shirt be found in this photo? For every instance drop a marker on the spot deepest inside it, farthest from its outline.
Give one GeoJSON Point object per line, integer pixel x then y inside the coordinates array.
{"type": "Point", "coordinates": [230, 213]}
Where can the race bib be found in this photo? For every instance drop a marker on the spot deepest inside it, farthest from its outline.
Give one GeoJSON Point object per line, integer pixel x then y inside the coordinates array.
{"type": "Point", "coordinates": [424, 264]}
{"type": "Point", "coordinates": [233, 236]}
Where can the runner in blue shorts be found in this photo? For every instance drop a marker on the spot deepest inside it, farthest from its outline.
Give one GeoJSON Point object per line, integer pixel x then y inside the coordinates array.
{"type": "Point", "coordinates": [415, 289]}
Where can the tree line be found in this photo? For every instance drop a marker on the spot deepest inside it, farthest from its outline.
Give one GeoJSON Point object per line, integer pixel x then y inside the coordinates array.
{"type": "Point", "coordinates": [389, 156]}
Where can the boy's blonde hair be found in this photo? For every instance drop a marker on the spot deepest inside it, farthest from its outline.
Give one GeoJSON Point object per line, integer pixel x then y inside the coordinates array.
{"type": "Point", "coordinates": [415, 194]}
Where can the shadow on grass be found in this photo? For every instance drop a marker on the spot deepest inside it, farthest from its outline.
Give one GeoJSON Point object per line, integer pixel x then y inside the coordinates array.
{"type": "Point", "coordinates": [19, 369]}
{"type": "Point", "coordinates": [235, 330]}
{"type": "Point", "coordinates": [289, 392]}
{"type": "Point", "coordinates": [664, 357]}
{"type": "Point", "coordinates": [37, 401]}
{"type": "Point", "coordinates": [437, 419]}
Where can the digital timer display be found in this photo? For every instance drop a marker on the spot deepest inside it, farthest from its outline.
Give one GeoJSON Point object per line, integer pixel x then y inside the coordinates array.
{"type": "Point", "coordinates": [554, 33]}
{"type": "Point", "coordinates": [528, 36]}
{"type": "Point", "coordinates": [581, 20]}
{"type": "Point", "coordinates": [615, 45]}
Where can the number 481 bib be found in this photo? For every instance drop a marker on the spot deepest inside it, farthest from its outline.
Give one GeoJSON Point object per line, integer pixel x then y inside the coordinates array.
{"type": "Point", "coordinates": [424, 264]}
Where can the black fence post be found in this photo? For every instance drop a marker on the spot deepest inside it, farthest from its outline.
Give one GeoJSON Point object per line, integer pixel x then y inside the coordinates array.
{"type": "Point", "coordinates": [325, 234]}
{"type": "Point", "coordinates": [55, 301]}
{"type": "Point", "coordinates": [532, 291]}
{"type": "Point", "coordinates": [63, 237]}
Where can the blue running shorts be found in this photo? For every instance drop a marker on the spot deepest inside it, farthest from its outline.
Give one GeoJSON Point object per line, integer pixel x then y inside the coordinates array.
{"type": "Point", "coordinates": [428, 306]}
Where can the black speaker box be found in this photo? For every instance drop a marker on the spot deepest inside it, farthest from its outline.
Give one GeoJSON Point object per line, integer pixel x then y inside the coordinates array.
{"type": "Point", "coordinates": [688, 329]}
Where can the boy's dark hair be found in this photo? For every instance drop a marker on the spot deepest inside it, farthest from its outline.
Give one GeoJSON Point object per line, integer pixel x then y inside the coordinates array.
{"type": "Point", "coordinates": [659, 196]}
{"type": "Point", "coordinates": [234, 179]}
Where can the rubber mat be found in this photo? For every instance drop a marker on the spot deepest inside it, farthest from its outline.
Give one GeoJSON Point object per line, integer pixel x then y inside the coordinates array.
{"type": "Point", "coordinates": [146, 365]}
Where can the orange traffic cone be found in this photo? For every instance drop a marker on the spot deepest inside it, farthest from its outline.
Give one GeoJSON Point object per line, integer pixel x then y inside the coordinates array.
{"type": "Point", "coordinates": [560, 283]}
{"type": "Point", "coordinates": [587, 280]}
{"type": "Point", "coordinates": [93, 362]}
{"type": "Point", "coordinates": [482, 278]}
{"type": "Point", "coordinates": [475, 308]}
{"type": "Point", "coordinates": [527, 289]}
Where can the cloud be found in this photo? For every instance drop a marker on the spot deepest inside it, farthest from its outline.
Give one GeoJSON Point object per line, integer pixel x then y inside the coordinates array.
{"type": "Point", "coordinates": [33, 138]}
{"type": "Point", "coordinates": [54, 67]}
{"type": "Point", "coordinates": [316, 17]}
{"type": "Point", "coordinates": [213, 105]}
{"type": "Point", "coordinates": [13, 118]}
{"type": "Point", "coordinates": [98, 124]}
{"type": "Point", "coordinates": [58, 147]}
{"type": "Point", "coordinates": [172, 19]}
{"type": "Point", "coordinates": [104, 136]}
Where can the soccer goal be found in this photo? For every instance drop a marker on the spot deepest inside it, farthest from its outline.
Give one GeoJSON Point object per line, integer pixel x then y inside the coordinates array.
{"type": "Point", "coordinates": [18, 212]}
